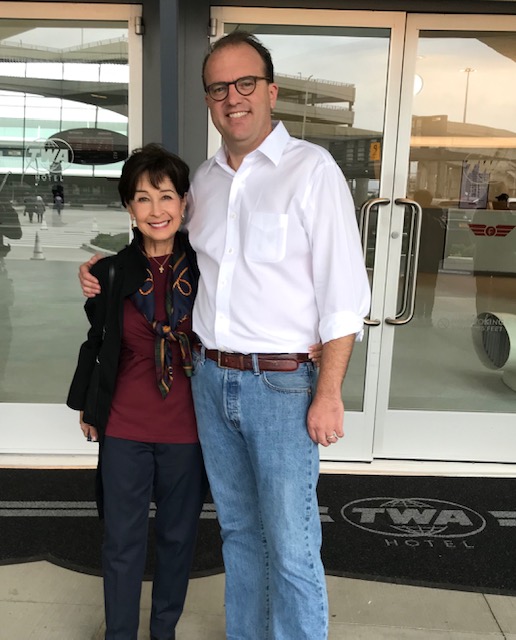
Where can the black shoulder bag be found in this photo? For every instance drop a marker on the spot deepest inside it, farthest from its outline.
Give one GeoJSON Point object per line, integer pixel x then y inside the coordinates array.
{"type": "Point", "coordinates": [92, 396]}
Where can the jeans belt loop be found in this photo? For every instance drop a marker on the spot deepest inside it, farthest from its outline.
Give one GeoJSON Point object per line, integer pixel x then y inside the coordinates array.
{"type": "Point", "coordinates": [256, 365]}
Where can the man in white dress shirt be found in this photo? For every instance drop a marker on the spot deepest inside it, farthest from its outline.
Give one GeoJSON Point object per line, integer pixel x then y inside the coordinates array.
{"type": "Point", "coordinates": [274, 227]}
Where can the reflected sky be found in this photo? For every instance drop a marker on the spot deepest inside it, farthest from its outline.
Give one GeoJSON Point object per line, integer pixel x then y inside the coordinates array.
{"type": "Point", "coordinates": [363, 62]}
{"type": "Point", "coordinates": [58, 38]}
{"type": "Point", "coordinates": [358, 61]}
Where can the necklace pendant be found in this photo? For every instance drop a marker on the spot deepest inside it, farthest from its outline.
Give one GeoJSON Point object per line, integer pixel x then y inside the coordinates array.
{"type": "Point", "coordinates": [161, 265]}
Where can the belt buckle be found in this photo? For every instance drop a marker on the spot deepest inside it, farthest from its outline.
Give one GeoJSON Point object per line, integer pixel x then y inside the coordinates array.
{"type": "Point", "coordinates": [219, 364]}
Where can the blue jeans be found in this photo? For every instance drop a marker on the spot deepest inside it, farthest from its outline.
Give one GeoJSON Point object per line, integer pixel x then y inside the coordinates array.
{"type": "Point", "coordinates": [263, 470]}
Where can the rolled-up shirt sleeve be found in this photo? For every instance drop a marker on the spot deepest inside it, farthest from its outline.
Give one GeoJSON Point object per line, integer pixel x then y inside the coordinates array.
{"type": "Point", "coordinates": [341, 284]}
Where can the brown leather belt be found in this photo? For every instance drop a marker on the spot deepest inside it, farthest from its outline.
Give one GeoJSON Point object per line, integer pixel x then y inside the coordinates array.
{"type": "Point", "coordinates": [266, 361]}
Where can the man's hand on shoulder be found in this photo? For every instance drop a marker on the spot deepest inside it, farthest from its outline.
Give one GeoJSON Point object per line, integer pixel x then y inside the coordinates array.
{"type": "Point", "coordinates": [89, 284]}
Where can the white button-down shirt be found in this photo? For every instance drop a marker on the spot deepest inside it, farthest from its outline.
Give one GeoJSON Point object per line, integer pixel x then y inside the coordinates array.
{"type": "Point", "coordinates": [278, 250]}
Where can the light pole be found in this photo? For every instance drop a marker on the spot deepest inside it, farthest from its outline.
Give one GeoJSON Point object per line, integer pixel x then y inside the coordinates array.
{"type": "Point", "coordinates": [467, 71]}
{"type": "Point", "coordinates": [305, 107]}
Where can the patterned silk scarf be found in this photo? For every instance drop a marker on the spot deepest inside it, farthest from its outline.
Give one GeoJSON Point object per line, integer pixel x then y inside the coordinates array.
{"type": "Point", "coordinates": [181, 287]}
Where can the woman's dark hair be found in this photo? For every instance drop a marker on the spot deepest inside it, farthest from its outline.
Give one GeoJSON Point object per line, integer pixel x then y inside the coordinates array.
{"type": "Point", "coordinates": [242, 37]}
{"type": "Point", "coordinates": [156, 162]}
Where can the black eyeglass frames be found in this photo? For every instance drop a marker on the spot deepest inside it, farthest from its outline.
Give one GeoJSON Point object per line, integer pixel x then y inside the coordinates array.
{"type": "Point", "coordinates": [245, 86]}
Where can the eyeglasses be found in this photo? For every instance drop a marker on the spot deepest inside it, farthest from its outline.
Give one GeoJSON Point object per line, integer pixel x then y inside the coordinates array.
{"type": "Point", "coordinates": [245, 86]}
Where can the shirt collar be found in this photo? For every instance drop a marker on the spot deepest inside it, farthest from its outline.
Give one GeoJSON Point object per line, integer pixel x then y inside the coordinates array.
{"type": "Point", "coordinates": [274, 144]}
{"type": "Point", "coordinates": [272, 147]}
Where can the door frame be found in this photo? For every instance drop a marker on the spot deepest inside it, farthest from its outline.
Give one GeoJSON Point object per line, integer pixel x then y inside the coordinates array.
{"type": "Point", "coordinates": [52, 429]}
{"type": "Point", "coordinates": [359, 425]}
{"type": "Point", "coordinates": [366, 431]}
{"type": "Point", "coordinates": [446, 437]}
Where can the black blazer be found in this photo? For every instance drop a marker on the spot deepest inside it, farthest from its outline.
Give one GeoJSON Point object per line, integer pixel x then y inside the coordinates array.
{"type": "Point", "coordinates": [130, 273]}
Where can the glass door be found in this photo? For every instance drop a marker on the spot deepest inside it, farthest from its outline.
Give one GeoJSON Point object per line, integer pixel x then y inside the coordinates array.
{"type": "Point", "coordinates": [448, 380]}
{"type": "Point", "coordinates": [418, 112]}
{"type": "Point", "coordinates": [339, 76]}
{"type": "Point", "coordinates": [69, 77]}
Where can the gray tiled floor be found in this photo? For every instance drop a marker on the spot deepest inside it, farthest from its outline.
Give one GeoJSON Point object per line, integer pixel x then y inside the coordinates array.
{"type": "Point", "coordinates": [39, 601]}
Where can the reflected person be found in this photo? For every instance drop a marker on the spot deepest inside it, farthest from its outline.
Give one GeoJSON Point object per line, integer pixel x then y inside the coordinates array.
{"type": "Point", "coordinates": [431, 252]}
{"type": "Point", "coordinates": [10, 228]}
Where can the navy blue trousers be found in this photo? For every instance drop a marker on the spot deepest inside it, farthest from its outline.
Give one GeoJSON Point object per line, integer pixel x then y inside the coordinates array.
{"type": "Point", "coordinates": [134, 473]}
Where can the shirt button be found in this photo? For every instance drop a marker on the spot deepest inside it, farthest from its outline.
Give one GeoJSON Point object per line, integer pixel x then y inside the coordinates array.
{"type": "Point", "coordinates": [230, 250]}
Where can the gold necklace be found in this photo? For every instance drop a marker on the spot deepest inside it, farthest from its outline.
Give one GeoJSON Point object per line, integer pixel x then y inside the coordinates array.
{"type": "Point", "coordinates": [161, 265]}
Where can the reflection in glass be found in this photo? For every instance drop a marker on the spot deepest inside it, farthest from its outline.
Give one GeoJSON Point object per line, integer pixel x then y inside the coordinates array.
{"type": "Point", "coordinates": [463, 162]}
{"type": "Point", "coordinates": [10, 229]}
{"type": "Point", "coordinates": [63, 139]}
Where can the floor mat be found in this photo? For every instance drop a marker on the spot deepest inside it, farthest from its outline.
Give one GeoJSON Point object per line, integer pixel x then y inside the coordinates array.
{"type": "Point", "coordinates": [441, 532]}
{"type": "Point", "coordinates": [429, 531]}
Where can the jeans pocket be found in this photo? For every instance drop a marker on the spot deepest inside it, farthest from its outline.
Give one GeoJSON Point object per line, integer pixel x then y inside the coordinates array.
{"type": "Point", "coordinates": [299, 381]}
{"type": "Point", "coordinates": [197, 360]}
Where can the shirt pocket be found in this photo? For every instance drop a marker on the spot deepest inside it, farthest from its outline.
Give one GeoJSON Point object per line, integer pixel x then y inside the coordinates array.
{"type": "Point", "coordinates": [266, 238]}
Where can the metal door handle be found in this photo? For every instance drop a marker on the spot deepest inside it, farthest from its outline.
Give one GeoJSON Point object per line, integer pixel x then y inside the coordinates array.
{"type": "Point", "coordinates": [363, 227]}
{"type": "Point", "coordinates": [410, 277]}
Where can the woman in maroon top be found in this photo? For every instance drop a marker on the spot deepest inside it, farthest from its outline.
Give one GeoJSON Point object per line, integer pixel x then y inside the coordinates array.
{"type": "Point", "coordinates": [140, 338]}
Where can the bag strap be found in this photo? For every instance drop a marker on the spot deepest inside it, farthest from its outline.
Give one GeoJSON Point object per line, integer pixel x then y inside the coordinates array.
{"type": "Point", "coordinates": [111, 279]}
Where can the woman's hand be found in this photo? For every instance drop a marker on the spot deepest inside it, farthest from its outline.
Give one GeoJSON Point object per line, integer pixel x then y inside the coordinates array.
{"type": "Point", "coordinates": [315, 353]}
{"type": "Point", "coordinates": [90, 433]}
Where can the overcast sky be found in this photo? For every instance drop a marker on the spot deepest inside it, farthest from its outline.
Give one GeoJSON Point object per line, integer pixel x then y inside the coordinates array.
{"type": "Point", "coordinates": [363, 62]}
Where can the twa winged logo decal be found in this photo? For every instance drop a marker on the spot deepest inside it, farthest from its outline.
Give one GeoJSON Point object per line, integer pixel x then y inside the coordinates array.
{"type": "Point", "coordinates": [500, 231]}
